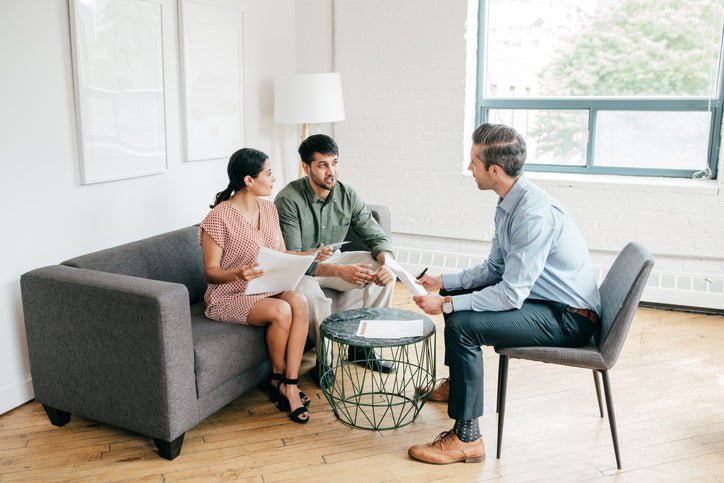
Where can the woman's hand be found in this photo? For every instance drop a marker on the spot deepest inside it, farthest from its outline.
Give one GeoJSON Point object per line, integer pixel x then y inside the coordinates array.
{"type": "Point", "coordinates": [248, 272]}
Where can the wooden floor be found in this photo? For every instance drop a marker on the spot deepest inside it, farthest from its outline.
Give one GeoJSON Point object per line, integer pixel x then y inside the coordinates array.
{"type": "Point", "coordinates": [668, 390]}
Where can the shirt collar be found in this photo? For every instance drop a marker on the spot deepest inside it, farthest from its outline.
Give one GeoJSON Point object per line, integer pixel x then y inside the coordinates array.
{"type": "Point", "coordinates": [312, 196]}
{"type": "Point", "coordinates": [508, 203]}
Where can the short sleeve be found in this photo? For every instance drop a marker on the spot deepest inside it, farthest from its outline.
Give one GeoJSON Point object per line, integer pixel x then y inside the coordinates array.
{"type": "Point", "coordinates": [215, 226]}
{"type": "Point", "coordinates": [276, 229]}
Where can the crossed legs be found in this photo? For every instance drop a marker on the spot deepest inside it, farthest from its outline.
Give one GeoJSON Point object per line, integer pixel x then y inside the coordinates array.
{"type": "Point", "coordinates": [286, 317]}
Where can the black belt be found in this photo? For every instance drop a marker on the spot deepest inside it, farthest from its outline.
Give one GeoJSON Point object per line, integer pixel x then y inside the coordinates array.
{"type": "Point", "coordinates": [589, 314]}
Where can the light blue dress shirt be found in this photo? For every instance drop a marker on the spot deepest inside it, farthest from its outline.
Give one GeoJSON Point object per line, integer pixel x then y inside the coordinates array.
{"type": "Point", "coordinates": [537, 253]}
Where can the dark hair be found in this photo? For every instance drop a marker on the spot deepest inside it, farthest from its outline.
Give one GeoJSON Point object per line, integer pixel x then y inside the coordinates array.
{"type": "Point", "coordinates": [501, 145]}
{"type": "Point", "coordinates": [317, 143]}
{"type": "Point", "coordinates": [245, 162]}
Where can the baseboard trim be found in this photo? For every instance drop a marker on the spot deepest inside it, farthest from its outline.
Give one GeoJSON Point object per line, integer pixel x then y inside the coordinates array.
{"type": "Point", "coordinates": [15, 395]}
{"type": "Point", "coordinates": [682, 308]}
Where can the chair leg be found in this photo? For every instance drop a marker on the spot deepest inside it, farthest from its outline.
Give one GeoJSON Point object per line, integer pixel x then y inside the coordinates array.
{"type": "Point", "coordinates": [611, 416]}
{"type": "Point", "coordinates": [169, 450]}
{"type": "Point", "coordinates": [503, 382]}
{"type": "Point", "coordinates": [598, 392]}
{"type": "Point", "coordinates": [497, 399]}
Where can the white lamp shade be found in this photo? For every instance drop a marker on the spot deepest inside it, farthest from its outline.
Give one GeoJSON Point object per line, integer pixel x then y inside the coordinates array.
{"type": "Point", "coordinates": [308, 98]}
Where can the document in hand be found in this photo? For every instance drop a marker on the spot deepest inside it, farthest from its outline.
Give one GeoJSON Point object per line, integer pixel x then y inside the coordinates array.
{"type": "Point", "coordinates": [405, 276]}
{"type": "Point", "coordinates": [283, 271]}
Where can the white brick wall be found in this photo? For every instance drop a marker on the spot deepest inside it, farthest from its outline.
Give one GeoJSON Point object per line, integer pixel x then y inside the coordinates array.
{"type": "Point", "coordinates": [403, 66]}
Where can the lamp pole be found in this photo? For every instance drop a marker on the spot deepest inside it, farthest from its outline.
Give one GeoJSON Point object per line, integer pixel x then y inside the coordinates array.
{"type": "Point", "coordinates": [305, 129]}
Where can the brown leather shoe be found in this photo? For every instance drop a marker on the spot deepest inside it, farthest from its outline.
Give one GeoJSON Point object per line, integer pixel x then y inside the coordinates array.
{"type": "Point", "coordinates": [447, 448]}
{"type": "Point", "coordinates": [441, 393]}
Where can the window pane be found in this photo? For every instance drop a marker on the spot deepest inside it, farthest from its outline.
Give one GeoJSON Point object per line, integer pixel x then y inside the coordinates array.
{"type": "Point", "coordinates": [552, 136]}
{"type": "Point", "coordinates": [626, 139]}
{"type": "Point", "coordinates": [604, 48]}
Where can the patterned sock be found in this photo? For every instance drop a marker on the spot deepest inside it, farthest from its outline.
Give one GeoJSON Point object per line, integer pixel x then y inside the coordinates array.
{"type": "Point", "coordinates": [467, 430]}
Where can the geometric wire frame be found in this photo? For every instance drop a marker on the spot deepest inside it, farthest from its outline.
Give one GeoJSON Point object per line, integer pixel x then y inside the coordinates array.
{"type": "Point", "coordinates": [368, 399]}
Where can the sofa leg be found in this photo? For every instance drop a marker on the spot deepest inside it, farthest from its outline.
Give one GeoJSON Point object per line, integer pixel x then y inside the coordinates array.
{"type": "Point", "coordinates": [169, 449]}
{"type": "Point", "coordinates": [56, 416]}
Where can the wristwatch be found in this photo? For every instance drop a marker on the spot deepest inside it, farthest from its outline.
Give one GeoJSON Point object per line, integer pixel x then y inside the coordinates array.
{"type": "Point", "coordinates": [447, 306]}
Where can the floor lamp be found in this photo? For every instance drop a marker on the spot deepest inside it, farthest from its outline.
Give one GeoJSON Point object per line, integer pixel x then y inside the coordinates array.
{"type": "Point", "coordinates": [308, 98]}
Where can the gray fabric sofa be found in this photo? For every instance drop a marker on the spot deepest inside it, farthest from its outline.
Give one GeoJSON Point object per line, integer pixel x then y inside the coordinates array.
{"type": "Point", "coordinates": [119, 336]}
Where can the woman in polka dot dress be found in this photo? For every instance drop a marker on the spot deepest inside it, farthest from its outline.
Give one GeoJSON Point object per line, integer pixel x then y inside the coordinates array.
{"type": "Point", "coordinates": [239, 224]}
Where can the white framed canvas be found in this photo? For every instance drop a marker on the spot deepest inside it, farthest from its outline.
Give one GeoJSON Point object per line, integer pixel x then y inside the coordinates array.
{"type": "Point", "coordinates": [212, 58]}
{"type": "Point", "coordinates": [118, 75]}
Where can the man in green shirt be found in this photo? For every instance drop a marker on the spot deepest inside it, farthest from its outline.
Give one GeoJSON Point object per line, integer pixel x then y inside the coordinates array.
{"type": "Point", "coordinates": [318, 210]}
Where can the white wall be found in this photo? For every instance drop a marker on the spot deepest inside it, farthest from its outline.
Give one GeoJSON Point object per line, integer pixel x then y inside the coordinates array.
{"type": "Point", "coordinates": [403, 67]}
{"type": "Point", "coordinates": [47, 216]}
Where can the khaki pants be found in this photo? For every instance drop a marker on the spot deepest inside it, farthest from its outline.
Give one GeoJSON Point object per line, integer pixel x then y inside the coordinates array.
{"type": "Point", "coordinates": [320, 305]}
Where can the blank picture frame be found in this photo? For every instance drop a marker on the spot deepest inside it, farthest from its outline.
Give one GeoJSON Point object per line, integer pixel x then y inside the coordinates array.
{"type": "Point", "coordinates": [118, 78]}
{"type": "Point", "coordinates": [212, 60]}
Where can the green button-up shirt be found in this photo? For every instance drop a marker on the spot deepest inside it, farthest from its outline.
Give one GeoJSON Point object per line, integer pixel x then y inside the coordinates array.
{"type": "Point", "coordinates": [307, 221]}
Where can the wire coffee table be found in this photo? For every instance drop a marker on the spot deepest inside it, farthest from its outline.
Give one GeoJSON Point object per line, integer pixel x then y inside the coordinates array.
{"type": "Point", "coordinates": [367, 399]}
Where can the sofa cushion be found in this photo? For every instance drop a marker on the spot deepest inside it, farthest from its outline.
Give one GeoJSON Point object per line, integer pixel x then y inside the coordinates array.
{"type": "Point", "coordinates": [222, 350]}
{"type": "Point", "coordinates": [170, 257]}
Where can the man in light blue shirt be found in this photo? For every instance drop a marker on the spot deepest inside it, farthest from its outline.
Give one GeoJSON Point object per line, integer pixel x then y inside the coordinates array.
{"type": "Point", "coordinates": [537, 287]}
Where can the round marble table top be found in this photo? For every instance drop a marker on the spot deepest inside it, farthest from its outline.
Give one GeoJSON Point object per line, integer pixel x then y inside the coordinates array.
{"type": "Point", "coordinates": [342, 326]}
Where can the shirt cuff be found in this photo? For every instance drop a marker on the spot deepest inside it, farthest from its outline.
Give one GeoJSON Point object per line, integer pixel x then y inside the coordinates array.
{"type": "Point", "coordinates": [452, 281]}
{"type": "Point", "coordinates": [382, 248]}
{"type": "Point", "coordinates": [462, 302]}
{"type": "Point", "coordinates": [312, 269]}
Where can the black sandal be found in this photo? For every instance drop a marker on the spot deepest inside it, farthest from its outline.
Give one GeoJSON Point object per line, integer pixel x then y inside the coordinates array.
{"type": "Point", "coordinates": [283, 404]}
{"type": "Point", "coordinates": [274, 390]}
{"type": "Point", "coordinates": [306, 400]}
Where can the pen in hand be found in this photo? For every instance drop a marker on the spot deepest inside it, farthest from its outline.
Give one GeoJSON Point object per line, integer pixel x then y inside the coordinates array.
{"type": "Point", "coordinates": [422, 274]}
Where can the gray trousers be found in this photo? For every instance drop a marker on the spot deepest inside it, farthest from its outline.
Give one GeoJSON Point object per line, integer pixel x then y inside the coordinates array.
{"type": "Point", "coordinates": [320, 305]}
{"type": "Point", "coordinates": [536, 323]}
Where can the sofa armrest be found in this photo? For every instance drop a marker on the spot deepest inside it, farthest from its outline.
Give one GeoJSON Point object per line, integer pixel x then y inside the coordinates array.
{"type": "Point", "coordinates": [383, 217]}
{"type": "Point", "coordinates": [112, 348]}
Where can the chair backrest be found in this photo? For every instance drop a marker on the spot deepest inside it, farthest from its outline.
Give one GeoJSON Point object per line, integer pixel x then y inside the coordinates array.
{"type": "Point", "coordinates": [171, 257]}
{"type": "Point", "coordinates": [620, 294]}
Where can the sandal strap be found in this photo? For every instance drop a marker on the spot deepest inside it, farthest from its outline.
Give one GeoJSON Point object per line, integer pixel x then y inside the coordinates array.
{"type": "Point", "coordinates": [276, 376]}
{"type": "Point", "coordinates": [294, 415]}
{"type": "Point", "coordinates": [286, 380]}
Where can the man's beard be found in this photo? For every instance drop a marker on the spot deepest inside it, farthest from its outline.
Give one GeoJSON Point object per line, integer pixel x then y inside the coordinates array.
{"type": "Point", "coordinates": [324, 184]}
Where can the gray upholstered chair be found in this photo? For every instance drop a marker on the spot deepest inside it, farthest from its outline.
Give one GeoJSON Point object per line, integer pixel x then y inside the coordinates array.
{"type": "Point", "coordinates": [620, 295]}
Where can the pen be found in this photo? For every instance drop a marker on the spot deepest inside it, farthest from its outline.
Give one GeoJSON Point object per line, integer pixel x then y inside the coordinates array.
{"type": "Point", "coordinates": [424, 271]}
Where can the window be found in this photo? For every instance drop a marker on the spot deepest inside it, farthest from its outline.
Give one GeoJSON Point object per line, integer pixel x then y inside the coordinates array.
{"type": "Point", "coordinates": [606, 86]}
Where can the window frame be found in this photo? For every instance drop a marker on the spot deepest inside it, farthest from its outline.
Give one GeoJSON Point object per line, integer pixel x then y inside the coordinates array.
{"type": "Point", "coordinates": [594, 105]}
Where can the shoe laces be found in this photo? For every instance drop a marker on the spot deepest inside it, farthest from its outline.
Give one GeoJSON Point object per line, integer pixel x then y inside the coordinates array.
{"type": "Point", "coordinates": [442, 437]}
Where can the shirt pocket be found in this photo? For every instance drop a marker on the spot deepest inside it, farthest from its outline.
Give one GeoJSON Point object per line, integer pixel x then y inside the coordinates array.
{"type": "Point", "coordinates": [338, 233]}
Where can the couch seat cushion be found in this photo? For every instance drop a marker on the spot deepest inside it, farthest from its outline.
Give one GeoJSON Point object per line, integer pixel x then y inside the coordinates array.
{"type": "Point", "coordinates": [223, 350]}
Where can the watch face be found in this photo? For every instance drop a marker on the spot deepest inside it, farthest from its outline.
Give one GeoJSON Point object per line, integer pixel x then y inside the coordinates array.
{"type": "Point", "coordinates": [447, 307]}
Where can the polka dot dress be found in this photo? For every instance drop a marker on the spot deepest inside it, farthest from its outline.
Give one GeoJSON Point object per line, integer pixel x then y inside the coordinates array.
{"type": "Point", "coordinates": [240, 243]}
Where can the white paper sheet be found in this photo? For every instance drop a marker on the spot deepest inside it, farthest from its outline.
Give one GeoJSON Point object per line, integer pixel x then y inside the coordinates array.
{"type": "Point", "coordinates": [335, 245]}
{"type": "Point", "coordinates": [284, 271]}
{"type": "Point", "coordinates": [389, 329]}
{"type": "Point", "coordinates": [405, 276]}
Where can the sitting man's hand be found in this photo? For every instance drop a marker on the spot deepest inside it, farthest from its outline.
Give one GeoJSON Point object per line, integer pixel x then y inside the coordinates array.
{"type": "Point", "coordinates": [431, 283]}
{"type": "Point", "coordinates": [358, 273]}
{"type": "Point", "coordinates": [383, 276]}
{"type": "Point", "coordinates": [323, 253]}
{"type": "Point", "coordinates": [431, 303]}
